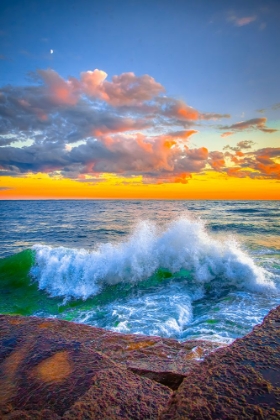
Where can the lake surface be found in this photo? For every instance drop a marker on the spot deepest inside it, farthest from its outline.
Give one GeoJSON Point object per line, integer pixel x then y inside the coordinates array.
{"type": "Point", "coordinates": [181, 269]}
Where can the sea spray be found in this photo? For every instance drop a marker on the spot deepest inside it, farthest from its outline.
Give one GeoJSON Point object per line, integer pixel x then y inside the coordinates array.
{"type": "Point", "coordinates": [184, 244]}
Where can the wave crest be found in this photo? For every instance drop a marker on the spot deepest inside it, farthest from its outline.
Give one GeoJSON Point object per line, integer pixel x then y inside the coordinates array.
{"type": "Point", "coordinates": [184, 245]}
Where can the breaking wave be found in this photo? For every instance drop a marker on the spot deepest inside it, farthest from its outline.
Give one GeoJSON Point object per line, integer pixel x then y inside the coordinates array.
{"type": "Point", "coordinates": [185, 244]}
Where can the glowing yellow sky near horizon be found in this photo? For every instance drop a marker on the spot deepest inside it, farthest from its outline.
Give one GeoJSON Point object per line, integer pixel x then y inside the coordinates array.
{"type": "Point", "coordinates": [210, 185]}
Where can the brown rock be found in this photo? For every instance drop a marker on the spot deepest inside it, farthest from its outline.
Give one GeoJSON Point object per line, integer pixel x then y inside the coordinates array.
{"type": "Point", "coordinates": [164, 360]}
{"type": "Point", "coordinates": [52, 370]}
{"type": "Point", "coordinates": [241, 381]}
{"type": "Point", "coordinates": [32, 415]}
{"type": "Point", "coordinates": [110, 398]}
{"type": "Point", "coordinates": [54, 365]}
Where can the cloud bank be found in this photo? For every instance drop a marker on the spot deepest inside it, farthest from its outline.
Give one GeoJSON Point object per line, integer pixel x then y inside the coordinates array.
{"type": "Point", "coordinates": [80, 128]}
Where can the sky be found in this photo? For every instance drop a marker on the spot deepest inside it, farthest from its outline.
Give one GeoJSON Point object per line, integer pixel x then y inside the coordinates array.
{"type": "Point", "coordinates": [140, 99]}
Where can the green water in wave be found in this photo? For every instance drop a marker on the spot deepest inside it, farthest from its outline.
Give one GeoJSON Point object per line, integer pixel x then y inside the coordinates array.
{"type": "Point", "coordinates": [20, 295]}
{"type": "Point", "coordinates": [150, 306]}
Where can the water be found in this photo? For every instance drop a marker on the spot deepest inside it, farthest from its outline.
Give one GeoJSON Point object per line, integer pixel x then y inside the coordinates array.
{"type": "Point", "coordinates": [181, 269]}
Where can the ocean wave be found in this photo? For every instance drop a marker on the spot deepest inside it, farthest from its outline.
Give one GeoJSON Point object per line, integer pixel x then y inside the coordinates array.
{"type": "Point", "coordinates": [242, 210]}
{"type": "Point", "coordinates": [184, 244]}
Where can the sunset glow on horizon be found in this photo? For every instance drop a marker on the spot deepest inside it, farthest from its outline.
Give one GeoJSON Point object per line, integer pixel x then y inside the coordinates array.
{"type": "Point", "coordinates": [200, 187]}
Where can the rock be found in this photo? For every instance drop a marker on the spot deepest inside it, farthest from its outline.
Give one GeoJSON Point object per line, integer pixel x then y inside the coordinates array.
{"type": "Point", "coordinates": [51, 369]}
{"type": "Point", "coordinates": [170, 379]}
{"type": "Point", "coordinates": [112, 398]}
{"type": "Point", "coordinates": [56, 369]}
{"type": "Point", "coordinates": [241, 381]}
{"type": "Point", "coordinates": [164, 360]}
{"type": "Point", "coordinates": [53, 366]}
{"type": "Point", "coordinates": [31, 415]}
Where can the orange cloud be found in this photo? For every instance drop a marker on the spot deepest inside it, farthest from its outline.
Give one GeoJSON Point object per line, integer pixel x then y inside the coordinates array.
{"type": "Point", "coordinates": [270, 169]}
{"type": "Point", "coordinates": [120, 125]}
{"type": "Point", "coordinates": [189, 133]}
{"type": "Point", "coordinates": [184, 134]}
{"type": "Point", "coordinates": [257, 164]}
{"type": "Point", "coordinates": [92, 82]}
{"type": "Point", "coordinates": [267, 166]}
{"type": "Point", "coordinates": [125, 89]}
{"type": "Point", "coordinates": [217, 160]}
{"type": "Point", "coordinates": [182, 178]}
{"type": "Point", "coordinates": [169, 143]}
{"type": "Point", "coordinates": [188, 113]}
{"type": "Point", "coordinates": [60, 92]}
{"type": "Point", "coordinates": [237, 172]}
{"type": "Point", "coordinates": [227, 133]}
{"type": "Point", "coordinates": [157, 158]}
{"type": "Point", "coordinates": [82, 128]}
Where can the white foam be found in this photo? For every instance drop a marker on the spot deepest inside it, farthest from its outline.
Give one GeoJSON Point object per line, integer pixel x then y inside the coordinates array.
{"type": "Point", "coordinates": [184, 244]}
{"type": "Point", "coordinates": [165, 311]}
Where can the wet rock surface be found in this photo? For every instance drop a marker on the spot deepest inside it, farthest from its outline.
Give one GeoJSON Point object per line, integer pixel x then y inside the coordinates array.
{"type": "Point", "coordinates": [51, 369]}
{"type": "Point", "coordinates": [57, 369]}
{"type": "Point", "coordinates": [241, 381]}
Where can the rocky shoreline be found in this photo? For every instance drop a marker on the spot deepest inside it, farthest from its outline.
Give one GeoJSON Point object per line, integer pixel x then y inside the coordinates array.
{"type": "Point", "coordinates": [52, 369]}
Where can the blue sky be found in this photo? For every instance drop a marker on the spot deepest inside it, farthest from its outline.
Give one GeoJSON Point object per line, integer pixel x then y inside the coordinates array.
{"type": "Point", "coordinates": [196, 49]}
